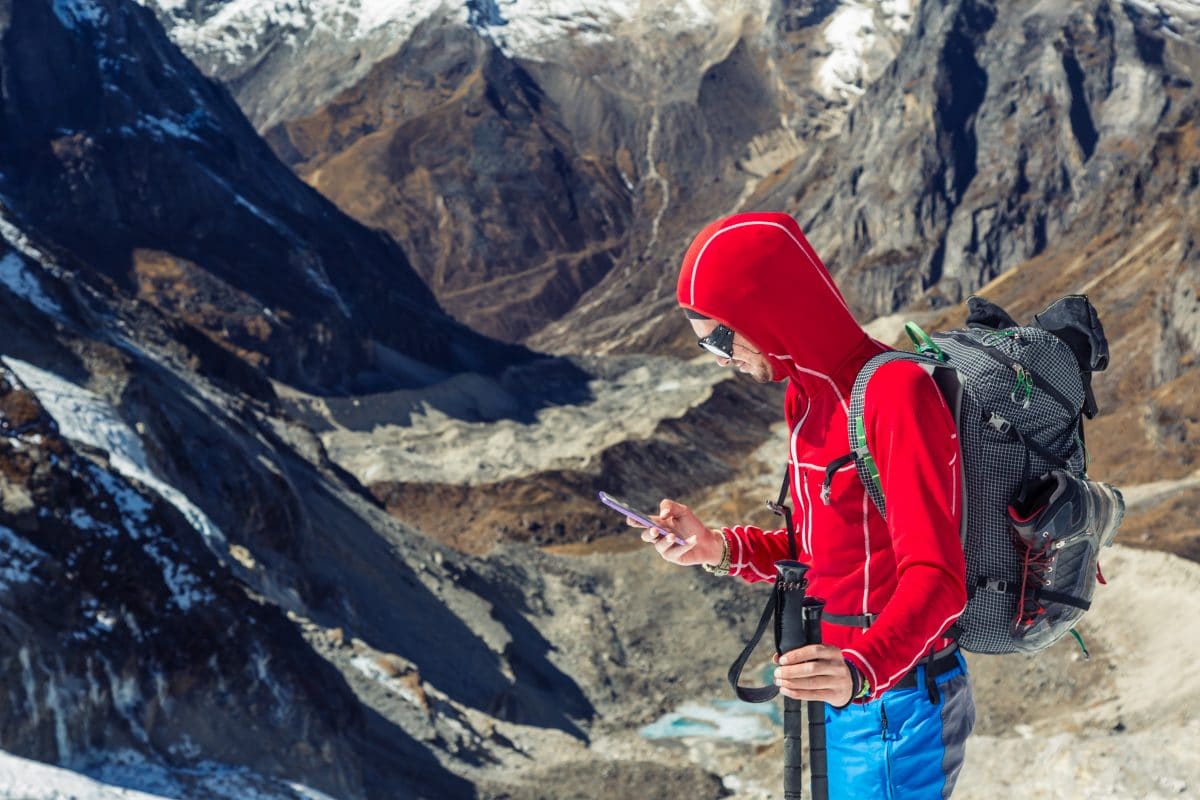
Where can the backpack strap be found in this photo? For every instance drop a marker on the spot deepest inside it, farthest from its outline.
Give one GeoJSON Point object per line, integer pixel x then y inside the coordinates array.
{"type": "Point", "coordinates": [781, 508]}
{"type": "Point", "coordinates": [860, 453]}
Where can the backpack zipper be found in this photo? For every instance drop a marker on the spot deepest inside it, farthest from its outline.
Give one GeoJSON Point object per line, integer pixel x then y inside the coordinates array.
{"type": "Point", "coordinates": [1005, 359]}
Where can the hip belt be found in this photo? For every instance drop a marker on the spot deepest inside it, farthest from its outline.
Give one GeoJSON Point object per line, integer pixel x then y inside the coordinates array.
{"type": "Point", "coordinates": [937, 663]}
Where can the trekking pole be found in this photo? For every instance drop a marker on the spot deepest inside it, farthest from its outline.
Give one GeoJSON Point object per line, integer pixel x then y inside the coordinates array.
{"type": "Point", "coordinates": [798, 621]}
{"type": "Point", "coordinates": [818, 765]}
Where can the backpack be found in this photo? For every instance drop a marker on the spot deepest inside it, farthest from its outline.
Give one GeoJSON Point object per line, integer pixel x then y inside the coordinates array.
{"type": "Point", "coordinates": [1033, 523]}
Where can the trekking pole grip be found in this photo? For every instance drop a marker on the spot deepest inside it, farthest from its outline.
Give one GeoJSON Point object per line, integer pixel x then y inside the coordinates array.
{"type": "Point", "coordinates": [790, 633]}
{"type": "Point", "coordinates": [818, 769]}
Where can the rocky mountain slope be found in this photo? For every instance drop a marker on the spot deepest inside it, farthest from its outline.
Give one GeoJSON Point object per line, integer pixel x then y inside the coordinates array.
{"type": "Point", "coordinates": [522, 152]}
{"type": "Point", "coordinates": [149, 175]}
{"type": "Point", "coordinates": [928, 151]}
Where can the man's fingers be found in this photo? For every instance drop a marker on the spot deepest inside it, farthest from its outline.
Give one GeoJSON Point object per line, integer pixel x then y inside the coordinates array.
{"type": "Point", "coordinates": [810, 669]}
{"type": "Point", "coordinates": [811, 652]}
{"type": "Point", "coordinates": [831, 696]}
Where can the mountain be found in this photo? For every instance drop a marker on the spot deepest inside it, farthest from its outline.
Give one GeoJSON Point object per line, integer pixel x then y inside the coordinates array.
{"type": "Point", "coordinates": [525, 154]}
{"type": "Point", "coordinates": [149, 174]}
{"type": "Point", "coordinates": [928, 150]}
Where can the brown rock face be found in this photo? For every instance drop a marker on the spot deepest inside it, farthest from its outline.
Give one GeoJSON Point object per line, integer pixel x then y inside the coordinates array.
{"type": "Point", "coordinates": [459, 154]}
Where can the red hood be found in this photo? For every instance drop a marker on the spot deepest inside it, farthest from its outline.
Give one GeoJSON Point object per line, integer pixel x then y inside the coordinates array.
{"type": "Point", "coordinates": [757, 274]}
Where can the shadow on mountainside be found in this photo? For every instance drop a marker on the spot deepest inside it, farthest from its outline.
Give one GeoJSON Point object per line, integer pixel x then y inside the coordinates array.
{"type": "Point", "coordinates": [517, 393]}
{"type": "Point", "coordinates": [381, 597]}
{"type": "Point", "coordinates": [324, 548]}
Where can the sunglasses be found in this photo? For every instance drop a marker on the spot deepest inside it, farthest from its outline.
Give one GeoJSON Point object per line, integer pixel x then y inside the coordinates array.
{"type": "Point", "coordinates": [719, 342]}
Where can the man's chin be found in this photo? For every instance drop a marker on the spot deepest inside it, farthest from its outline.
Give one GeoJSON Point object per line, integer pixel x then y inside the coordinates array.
{"type": "Point", "coordinates": [757, 377]}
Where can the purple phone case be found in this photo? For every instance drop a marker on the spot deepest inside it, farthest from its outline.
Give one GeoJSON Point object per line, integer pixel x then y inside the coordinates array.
{"type": "Point", "coordinates": [618, 505]}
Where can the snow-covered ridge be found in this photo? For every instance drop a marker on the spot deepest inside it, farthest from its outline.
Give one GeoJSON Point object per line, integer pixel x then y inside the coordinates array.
{"type": "Point", "coordinates": [15, 274]}
{"type": "Point", "coordinates": [239, 30]}
{"type": "Point", "coordinates": [86, 417]}
{"type": "Point", "coordinates": [22, 779]}
{"type": "Point", "coordinates": [297, 40]}
{"type": "Point", "coordinates": [1180, 18]}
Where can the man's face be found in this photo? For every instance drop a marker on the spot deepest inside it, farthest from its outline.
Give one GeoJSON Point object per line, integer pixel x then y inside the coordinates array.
{"type": "Point", "coordinates": [746, 357]}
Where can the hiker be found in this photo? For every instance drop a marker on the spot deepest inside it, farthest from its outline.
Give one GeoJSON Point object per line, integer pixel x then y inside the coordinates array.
{"type": "Point", "coordinates": [898, 700]}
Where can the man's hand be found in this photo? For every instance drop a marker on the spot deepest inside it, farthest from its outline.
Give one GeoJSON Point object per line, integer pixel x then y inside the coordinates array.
{"type": "Point", "coordinates": [701, 546]}
{"type": "Point", "coordinates": [814, 672]}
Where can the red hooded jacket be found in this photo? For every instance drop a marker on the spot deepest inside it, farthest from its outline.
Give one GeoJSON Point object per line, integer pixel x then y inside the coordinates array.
{"type": "Point", "coordinates": [757, 274]}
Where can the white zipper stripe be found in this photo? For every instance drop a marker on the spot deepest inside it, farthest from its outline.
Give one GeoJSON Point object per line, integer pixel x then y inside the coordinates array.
{"type": "Point", "coordinates": [808, 526]}
{"type": "Point", "coordinates": [814, 373]}
{"type": "Point", "coordinates": [955, 485]}
{"type": "Point", "coordinates": [867, 546]}
{"type": "Point", "coordinates": [796, 481]}
{"type": "Point", "coordinates": [820, 272]}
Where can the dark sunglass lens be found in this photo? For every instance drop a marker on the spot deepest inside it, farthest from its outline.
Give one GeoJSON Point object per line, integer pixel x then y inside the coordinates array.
{"type": "Point", "coordinates": [719, 342]}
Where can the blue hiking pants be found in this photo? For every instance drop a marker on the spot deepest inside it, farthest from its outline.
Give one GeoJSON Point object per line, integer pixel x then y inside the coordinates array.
{"type": "Point", "coordinates": [901, 745]}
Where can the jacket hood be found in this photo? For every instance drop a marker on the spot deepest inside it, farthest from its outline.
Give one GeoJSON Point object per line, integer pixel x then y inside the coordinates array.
{"type": "Point", "coordinates": [757, 274]}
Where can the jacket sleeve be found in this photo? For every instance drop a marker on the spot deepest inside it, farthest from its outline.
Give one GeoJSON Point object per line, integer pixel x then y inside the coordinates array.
{"type": "Point", "coordinates": [753, 552]}
{"type": "Point", "coordinates": [911, 434]}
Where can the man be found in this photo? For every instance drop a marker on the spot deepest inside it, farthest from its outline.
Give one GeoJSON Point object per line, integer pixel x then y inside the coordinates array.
{"type": "Point", "coordinates": [899, 701]}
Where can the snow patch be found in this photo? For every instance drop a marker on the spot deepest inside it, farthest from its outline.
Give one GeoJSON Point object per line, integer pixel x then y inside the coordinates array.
{"type": "Point", "coordinates": [161, 128]}
{"type": "Point", "coordinates": [85, 417]}
{"type": "Point", "coordinates": [1178, 18]}
{"type": "Point", "coordinates": [21, 282]}
{"type": "Point", "coordinates": [239, 31]}
{"type": "Point", "coordinates": [32, 780]}
{"type": "Point", "coordinates": [856, 35]}
{"type": "Point", "coordinates": [19, 241]}
{"type": "Point", "coordinates": [527, 24]}
{"type": "Point", "coordinates": [402, 16]}
{"type": "Point", "coordinates": [23, 779]}
{"type": "Point", "coordinates": [75, 13]}
{"type": "Point", "coordinates": [207, 779]}
{"type": "Point", "coordinates": [185, 587]}
{"type": "Point", "coordinates": [17, 559]}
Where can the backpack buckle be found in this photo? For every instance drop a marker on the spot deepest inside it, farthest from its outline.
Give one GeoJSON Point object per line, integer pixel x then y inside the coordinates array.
{"type": "Point", "coordinates": [999, 423]}
{"type": "Point", "coordinates": [994, 585]}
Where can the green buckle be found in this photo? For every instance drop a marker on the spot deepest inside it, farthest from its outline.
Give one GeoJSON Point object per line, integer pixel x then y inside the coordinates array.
{"type": "Point", "coordinates": [924, 344]}
{"type": "Point", "coordinates": [864, 455]}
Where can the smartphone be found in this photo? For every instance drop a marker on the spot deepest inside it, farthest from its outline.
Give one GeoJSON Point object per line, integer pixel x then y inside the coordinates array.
{"type": "Point", "coordinates": [620, 505]}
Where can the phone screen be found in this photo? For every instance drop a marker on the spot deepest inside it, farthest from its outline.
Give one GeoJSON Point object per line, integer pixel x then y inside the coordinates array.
{"type": "Point", "coordinates": [620, 505]}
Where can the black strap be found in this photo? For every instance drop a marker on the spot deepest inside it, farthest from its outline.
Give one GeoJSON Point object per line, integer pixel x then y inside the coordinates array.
{"type": "Point", "coordinates": [756, 694]}
{"type": "Point", "coordinates": [781, 508]}
{"type": "Point", "coordinates": [834, 466]}
{"type": "Point", "coordinates": [1065, 599]}
{"type": "Point", "coordinates": [850, 620]}
{"type": "Point", "coordinates": [1014, 587]}
{"type": "Point", "coordinates": [931, 687]}
{"type": "Point", "coordinates": [1014, 433]}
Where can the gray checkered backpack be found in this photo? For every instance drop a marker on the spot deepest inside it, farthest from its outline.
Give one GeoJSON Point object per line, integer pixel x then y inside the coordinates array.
{"type": "Point", "coordinates": [1033, 524]}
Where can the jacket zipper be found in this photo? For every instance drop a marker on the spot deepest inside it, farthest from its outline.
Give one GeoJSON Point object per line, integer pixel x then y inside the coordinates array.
{"type": "Point", "coordinates": [1005, 359]}
{"type": "Point", "coordinates": [883, 720]}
